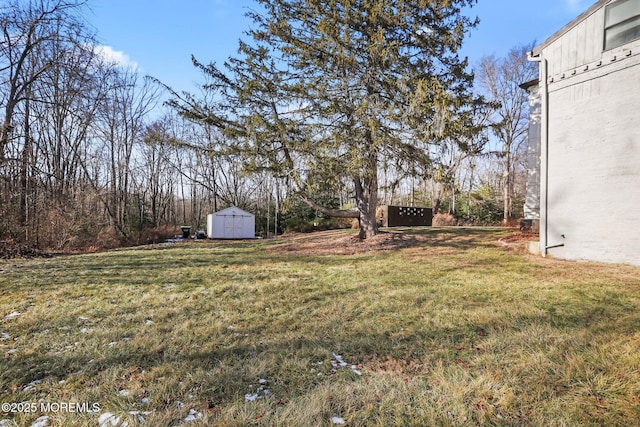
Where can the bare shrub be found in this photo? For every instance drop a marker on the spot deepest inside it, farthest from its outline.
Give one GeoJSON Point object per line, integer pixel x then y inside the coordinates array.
{"type": "Point", "coordinates": [511, 222]}
{"type": "Point", "coordinates": [156, 235]}
{"type": "Point", "coordinates": [107, 238]}
{"type": "Point", "coordinates": [10, 249]}
{"type": "Point", "coordinates": [444, 220]}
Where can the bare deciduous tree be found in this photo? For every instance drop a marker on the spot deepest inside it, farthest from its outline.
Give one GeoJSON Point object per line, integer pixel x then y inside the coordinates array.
{"type": "Point", "coordinates": [501, 78]}
{"type": "Point", "coordinates": [119, 127]}
{"type": "Point", "coordinates": [26, 26]}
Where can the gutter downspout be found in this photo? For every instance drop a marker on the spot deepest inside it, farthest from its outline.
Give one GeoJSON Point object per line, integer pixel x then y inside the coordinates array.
{"type": "Point", "coordinates": [544, 149]}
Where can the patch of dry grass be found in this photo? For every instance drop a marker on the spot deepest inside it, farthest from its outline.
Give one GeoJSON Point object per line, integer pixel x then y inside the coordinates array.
{"type": "Point", "coordinates": [444, 328]}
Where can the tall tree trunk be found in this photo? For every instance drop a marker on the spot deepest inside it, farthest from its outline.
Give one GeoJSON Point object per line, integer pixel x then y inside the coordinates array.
{"type": "Point", "coordinates": [4, 137]}
{"type": "Point", "coordinates": [367, 202]}
{"type": "Point", "coordinates": [506, 188]}
{"type": "Point", "coordinates": [436, 205]}
{"type": "Point", "coordinates": [24, 171]}
{"type": "Point", "coordinates": [368, 227]}
{"type": "Point", "coordinates": [437, 201]}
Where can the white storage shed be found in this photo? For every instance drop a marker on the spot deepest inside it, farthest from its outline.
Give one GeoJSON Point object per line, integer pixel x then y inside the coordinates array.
{"type": "Point", "coordinates": [231, 223]}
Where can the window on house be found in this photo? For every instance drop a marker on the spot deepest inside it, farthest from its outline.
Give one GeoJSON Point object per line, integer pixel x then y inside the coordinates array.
{"type": "Point", "coordinates": [622, 23]}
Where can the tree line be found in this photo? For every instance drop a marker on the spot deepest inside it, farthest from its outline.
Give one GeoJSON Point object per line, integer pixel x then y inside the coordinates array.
{"type": "Point", "coordinates": [328, 110]}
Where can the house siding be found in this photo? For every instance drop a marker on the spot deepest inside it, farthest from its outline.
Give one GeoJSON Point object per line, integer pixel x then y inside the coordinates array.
{"type": "Point", "coordinates": [532, 197]}
{"type": "Point", "coordinates": [579, 46]}
{"type": "Point", "coordinates": [592, 164]}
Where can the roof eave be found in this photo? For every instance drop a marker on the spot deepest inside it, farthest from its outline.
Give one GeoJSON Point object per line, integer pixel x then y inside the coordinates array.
{"type": "Point", "coordinates": [599, 4]}
{"type": "Point", "coordinates": [530, 83]}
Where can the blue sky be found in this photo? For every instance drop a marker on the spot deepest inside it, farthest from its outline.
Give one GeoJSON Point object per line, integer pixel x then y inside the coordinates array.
{"type": "Point", "coordinates": [159, 36]}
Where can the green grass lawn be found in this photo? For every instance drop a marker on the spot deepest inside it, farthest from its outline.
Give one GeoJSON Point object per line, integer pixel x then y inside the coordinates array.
{"type": "Point", "coordinates": [452, 330]}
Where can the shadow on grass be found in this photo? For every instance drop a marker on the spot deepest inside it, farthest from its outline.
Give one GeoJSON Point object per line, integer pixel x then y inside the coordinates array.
{"type": "Point", "coordinates": [235, 352]}
{"type": "Point", "coordinates": [462, 238]}
{"type": "Point", "coordinates": [120, 266]}
{"type": "Point", "coordinates": [247, 253]}
{"type": "Point", "coordinates": [247, 313]}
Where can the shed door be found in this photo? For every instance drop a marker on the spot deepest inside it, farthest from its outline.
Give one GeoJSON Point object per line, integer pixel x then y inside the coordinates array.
{"type": "Point", "coordinates": [233, 226]}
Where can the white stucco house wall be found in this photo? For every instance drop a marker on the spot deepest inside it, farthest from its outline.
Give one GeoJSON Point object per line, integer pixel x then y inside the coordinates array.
{"type": "Point", "coordinates": [584, 149]}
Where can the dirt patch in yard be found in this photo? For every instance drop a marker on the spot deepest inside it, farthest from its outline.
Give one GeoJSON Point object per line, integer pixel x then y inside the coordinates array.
{"type": "Point", "coordinates": [519, 237]}
{"type": "Point", "coordinates": [517, 242]}
{"type": "Point", "coordinates": [431, 240]}
{"type": "Point", "coordinates": [340, 243]}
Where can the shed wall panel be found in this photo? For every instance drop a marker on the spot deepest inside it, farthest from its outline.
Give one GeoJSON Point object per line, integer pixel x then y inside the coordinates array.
{"type": "Point", "coordinates": [231, 223]}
